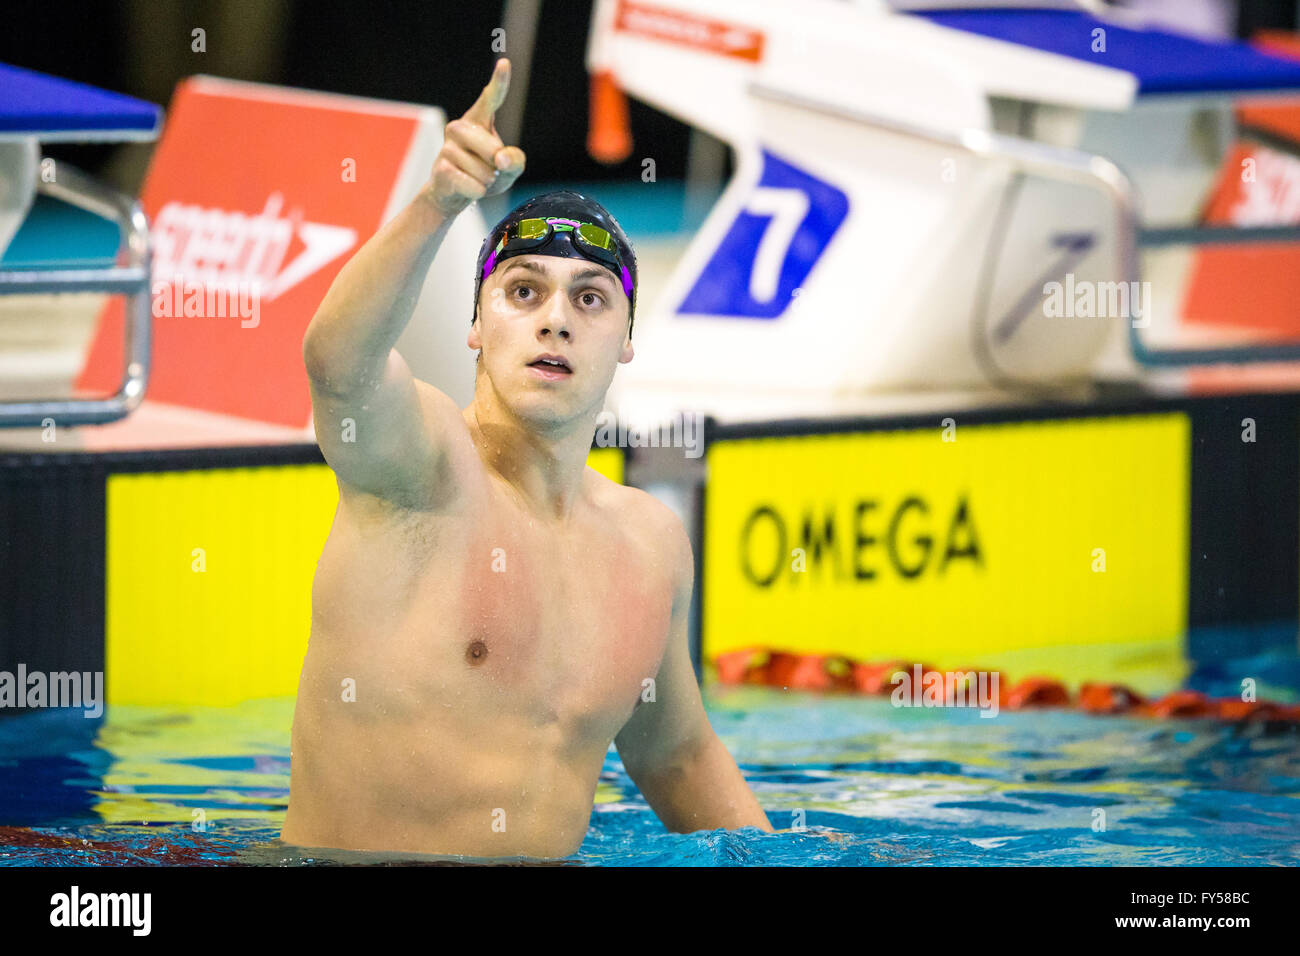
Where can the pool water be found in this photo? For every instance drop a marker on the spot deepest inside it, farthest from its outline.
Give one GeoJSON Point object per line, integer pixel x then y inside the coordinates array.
{"type": "Point", "coordinates": [870, 783]}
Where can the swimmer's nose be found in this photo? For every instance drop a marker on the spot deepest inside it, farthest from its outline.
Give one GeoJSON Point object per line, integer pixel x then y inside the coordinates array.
{"type": "Point", "coordinates": [557, 318]}
{"type": "Point", "coordinates": [557, 322]}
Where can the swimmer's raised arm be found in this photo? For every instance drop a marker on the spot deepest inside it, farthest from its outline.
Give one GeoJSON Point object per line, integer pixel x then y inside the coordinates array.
{"type": "Point", "coordinates": [395, 445]}
{"type": "Point", "coordinates": [668, 747]}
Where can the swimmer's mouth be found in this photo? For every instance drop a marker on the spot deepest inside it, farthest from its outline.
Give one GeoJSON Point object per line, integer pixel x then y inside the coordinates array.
{"type": "Point", "coordinates": [554, 364]}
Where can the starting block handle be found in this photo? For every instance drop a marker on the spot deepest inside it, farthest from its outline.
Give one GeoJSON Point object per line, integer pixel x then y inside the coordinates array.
{"type": "Point", "coordinates": [131, 279]}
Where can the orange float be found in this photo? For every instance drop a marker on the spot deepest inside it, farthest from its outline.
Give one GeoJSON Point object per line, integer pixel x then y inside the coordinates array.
{"type": "Point", "coordinates": [1108, 698]}
{"type": "Point", "coordinates": [1183, 703]}
{"type": "Point", "coordinates": [1038, 692]}
{"type": "Point", "coordinates": [830, 672]}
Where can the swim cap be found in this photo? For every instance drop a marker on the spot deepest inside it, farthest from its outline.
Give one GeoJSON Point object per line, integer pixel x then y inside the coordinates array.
{"type": "Point", "coordinates": [567, 204]}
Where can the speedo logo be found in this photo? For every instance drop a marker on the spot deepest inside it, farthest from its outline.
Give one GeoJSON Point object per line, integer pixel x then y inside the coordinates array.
{"type": "Point", "coordinates": [220, 248]}
{"type": "Point", "coordinates": [858, 541]}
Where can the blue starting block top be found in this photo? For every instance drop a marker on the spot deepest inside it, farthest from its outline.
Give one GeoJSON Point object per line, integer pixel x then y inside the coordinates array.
{"type": "Point", "coordinates": [1162, 62]}
{"type": "Point", "coordinates": [51, 109]}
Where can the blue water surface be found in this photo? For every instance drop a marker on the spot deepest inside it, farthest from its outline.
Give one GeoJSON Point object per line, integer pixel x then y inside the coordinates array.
{"type": "Point", "coordinates": [859, 781]}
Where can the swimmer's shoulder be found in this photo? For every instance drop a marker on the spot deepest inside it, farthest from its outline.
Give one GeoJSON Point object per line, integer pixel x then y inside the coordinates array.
{"type": "Point", "coordinates": [649, 522]}
{"type": "Point", "coordinates": [446, 475]}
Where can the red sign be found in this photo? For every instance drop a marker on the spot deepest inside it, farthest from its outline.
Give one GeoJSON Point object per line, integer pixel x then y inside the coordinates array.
{"type": "Point", "coordinates": [1254, 286]}
{"type": "Point", "coordinates": [256, 198]}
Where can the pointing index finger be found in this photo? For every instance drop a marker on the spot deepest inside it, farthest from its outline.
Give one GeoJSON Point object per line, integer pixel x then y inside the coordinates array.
{"type": "Point", "coordinates": [493, 95]}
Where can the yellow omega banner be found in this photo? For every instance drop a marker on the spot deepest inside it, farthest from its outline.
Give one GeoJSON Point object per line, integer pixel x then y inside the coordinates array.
{"type": "Point", "coordinates": [1004, 545]}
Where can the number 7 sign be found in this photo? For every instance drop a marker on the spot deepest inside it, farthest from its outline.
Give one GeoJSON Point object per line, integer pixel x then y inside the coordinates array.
{"type": "Point", "coordinates": [779, 234]}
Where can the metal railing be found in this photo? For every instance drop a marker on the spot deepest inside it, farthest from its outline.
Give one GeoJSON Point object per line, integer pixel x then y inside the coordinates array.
{"type": "Point", "coordinates": [131, 279]}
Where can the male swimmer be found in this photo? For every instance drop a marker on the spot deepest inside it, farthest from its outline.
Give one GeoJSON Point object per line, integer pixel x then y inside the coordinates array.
{"type": "Point", "coordinates": [487, 609]}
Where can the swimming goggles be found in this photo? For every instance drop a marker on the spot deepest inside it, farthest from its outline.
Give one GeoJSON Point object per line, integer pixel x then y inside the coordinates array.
{"type": "Point", "coordinates": [593, 241]}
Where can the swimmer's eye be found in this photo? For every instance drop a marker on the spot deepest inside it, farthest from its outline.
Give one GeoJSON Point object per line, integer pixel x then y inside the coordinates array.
{"type": "Point", "coordinates": [588, 299]}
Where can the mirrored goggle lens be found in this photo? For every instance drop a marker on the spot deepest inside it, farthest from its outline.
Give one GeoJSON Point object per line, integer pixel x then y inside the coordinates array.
{"type": "Point", "coordinates": [598, 243]}
{"type": "Point", "coordinates": [531, 229]}
{"type": "Point", "coordinates": [596, 236]}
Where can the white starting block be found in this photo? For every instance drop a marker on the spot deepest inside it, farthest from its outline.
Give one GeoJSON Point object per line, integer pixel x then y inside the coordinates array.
{"type": "Point", "coordinates": [36, 108]}
{"type": "Point", "coordinates": [917, 192]}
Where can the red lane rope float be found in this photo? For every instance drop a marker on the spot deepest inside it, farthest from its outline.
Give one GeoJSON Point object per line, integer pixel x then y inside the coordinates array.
{"type": "Point", "coordinates": [820, 672]}
{"type": "Point", "coordinates": [1109, 699]}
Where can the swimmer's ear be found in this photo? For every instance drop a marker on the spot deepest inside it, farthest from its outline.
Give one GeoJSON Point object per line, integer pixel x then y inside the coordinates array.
{"type": "Point", "coordinates": [474, 340]}
{"type": "Point", "coordinates": [626, 355]}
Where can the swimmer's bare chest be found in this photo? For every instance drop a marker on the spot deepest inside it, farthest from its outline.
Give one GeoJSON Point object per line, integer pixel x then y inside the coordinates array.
{"type": "Point", "coordinates": [494, 615]}
{"type": "Point", "coordinates": [466, 674]}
